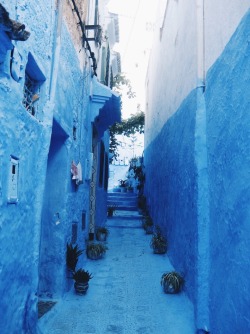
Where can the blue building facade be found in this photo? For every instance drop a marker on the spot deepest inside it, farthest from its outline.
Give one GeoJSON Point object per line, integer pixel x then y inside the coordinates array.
{"type": "Point", "coordinates": [54, 115]}
{"type": "Point", "coordinates": [197, 138]}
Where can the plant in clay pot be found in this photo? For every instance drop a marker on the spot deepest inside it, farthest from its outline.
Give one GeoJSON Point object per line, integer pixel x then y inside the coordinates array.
{"type": "Point", "coordinates": [148, 224]}
{"type": "Point", "coordinates": [123, 185]}
{"type": "Point", "coordinates": [101, 233]}
{"type": "Point", "coordinates": [111, 210]}
{"type": "Point", "coordinates": [81, 278]}
{"type": "Point", "coordinates": [172, 282]}
{"type": "Point", "coordinates": [95, 251]}
{"type": "Point", "coordinates": [158, 242]}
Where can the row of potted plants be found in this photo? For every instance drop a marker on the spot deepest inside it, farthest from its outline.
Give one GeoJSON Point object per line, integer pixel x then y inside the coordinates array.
{"type": "Point", "coordinates": [80, 276]}
{"type": "Point", "coordinates": [124, 186]}
{"type": "Point", "coordinates": [94, 251]}
{"type": "Point", "coordinates": [172, 282]}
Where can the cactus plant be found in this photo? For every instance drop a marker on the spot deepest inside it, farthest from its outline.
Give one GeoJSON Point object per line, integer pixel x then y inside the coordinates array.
{"type": "Point", "coordinates": [158, 242]}
{"type": "Point", "coordinates": [72, 255]}
{"type": "Point", "coordinates": [172, 282]}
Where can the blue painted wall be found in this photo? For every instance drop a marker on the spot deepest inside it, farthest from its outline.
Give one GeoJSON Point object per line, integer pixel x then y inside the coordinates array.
{"type": "Point", "coordinates": [228, 129]}
{"type": "Point", "coordinates": [34, 231]}
{"type": "Point", "coordinates": [19, 223]}
{"type": "Point", "coordinates": [198, 189]}
{"type": "Point", "coordinates": [171, 188]}
{"type": "Point", "coordinates": [64, 201]}
{"type": "Point", "coordinates": [26, 138]}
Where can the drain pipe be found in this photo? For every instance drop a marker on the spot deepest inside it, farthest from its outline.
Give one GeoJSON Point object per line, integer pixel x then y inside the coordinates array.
{"type": "Point", "coordinates": [203, 256]}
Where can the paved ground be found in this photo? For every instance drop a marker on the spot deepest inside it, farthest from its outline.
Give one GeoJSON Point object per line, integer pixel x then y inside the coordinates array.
{"type": "Point", "coordinates": [125, 295]}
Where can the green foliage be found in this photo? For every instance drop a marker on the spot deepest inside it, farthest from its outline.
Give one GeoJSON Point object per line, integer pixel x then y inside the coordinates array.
{"type": "Point", "coordinates": [82, 276]}
{"type": "Point", "coordinates": [113, 145]}
{"type": "Point", "coordinates": [120, 80]}
{"type": "Point", "coordinates": [95, 250]}
{"type": "Point", "coordinates": [139, 175]}
{"type": "Point", "coordinates": [72, 255]}
{"type": "Point", "coordinates": [134, 124]}
{"type": "Point", "coordinates": [111, 209]}
{"type": "Point", "coordinates": [127, 127]}
{"type": "Point", "coordinates": [147, 222]}
{"type": "Point", "coordinates": [142, 204]}
{"type": "Point", "coordinates": [123, 183]}
{"type": "Point", "coordinates": [158, 241]}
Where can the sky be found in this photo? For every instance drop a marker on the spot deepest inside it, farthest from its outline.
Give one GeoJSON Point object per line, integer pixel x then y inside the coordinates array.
{"type": "Point", "coordinates": [136, 24]}
{"type": "Point", "coordinates": [136, 28]}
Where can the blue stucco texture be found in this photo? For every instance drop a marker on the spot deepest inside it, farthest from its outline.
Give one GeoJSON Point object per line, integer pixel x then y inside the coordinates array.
{"type": "Point", "coordinates": [31, 243]}
{"type": "Point", "coordinates": [19, 232]}
{"type": "Point", "coordinates": [63, 201]}
{"type": "Point", "coordinates": [172, 181]}
{"type": "Point", "coordinates": [171, 188]}
{"type": "Point", "coordinates": [228, 119]}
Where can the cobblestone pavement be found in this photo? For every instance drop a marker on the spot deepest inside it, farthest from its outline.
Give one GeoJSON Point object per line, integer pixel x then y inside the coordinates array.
{"type": "Point", "coordinates": [125, 295]}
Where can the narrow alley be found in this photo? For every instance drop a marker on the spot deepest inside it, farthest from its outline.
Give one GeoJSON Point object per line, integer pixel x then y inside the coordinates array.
{"type": "Point", "coordinates": [102, 100]}
{"type": "Point", "coordinates": [125, 295]}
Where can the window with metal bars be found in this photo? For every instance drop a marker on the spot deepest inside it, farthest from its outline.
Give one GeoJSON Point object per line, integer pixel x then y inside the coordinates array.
{"type": "Point", "coordinates": [34, 79]}
{"type": "Point", "coordinates": [31, 93]}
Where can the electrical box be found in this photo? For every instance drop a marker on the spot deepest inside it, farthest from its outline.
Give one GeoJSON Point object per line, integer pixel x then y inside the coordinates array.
{"type": "Point", "coordinates": [13, 180]}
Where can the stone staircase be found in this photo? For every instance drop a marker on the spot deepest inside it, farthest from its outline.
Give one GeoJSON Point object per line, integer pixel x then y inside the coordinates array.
{"type": "Point", "coordinates": [126, 209]}
{"type": "Point", "coordinates": [123, 201]}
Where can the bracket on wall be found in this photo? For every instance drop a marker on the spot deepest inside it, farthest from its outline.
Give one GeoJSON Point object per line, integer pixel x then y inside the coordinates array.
{"type": "Point", "coordinates": [84, 37]}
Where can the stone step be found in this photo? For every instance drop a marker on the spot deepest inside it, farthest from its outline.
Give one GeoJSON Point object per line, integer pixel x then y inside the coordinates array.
{"type": "Point", "coordinates": [121, 201]}
{"type": "Point", "coordinates": [122, 198]}
{"type": "Point", "coordinates": [117, 194]}
{"type": "Point", "coordinates": [131, 215]}
{"type": "Point", "coordinates": [126, 208]}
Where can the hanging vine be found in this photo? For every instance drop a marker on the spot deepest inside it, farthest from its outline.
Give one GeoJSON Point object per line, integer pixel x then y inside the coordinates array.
{"type": "Point", "coordinates": [128, 127]}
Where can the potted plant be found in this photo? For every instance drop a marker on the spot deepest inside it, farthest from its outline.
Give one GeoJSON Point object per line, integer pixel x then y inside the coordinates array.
{"type": "Point", "coordinates": [72, 255]}
{"type": "Point", "coordinates": [148, 224]}
{"type": "Point", "coordinates": [158, 242]}
{"type": "Point", "coordinates": [172, 282]}
{"type": "Point", "coordinates": [123, 184]}
{"type": "Point", "coordinates": [101, 233]}
{"type": "Point", "coordinates": [142, 204]}
{"type": "Point", "coordinates": [130, 189]}
{"type": "Point", "coordinates": [95, 251]}
{"type": "Point", "coordinates": [81, 278]}
{"type": "Point", "coordinates": [110, 210]}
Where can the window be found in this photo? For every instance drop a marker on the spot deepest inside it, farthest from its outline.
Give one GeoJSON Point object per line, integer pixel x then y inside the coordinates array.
{"type": "Point", "coordinates": [34, 79]}
{"type": "Point", "coordinates": [31, 94]}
